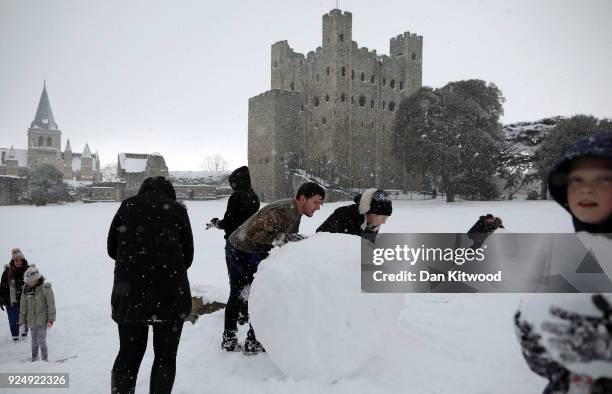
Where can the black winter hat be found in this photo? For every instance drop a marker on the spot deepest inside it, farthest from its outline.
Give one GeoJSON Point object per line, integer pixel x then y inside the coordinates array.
{"type": "Point", "coordinates": [597, 145]}
{"type": "Point", "coordinates": [374, 201]}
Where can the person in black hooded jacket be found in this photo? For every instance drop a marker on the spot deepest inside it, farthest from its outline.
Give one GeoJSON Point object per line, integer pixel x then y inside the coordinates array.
{"type": "Point", "coordinates": [151, 242]}
{"type": "Point", "coordinates": [364, 218]}
{"type": "Point", "coordinates": [241, 205]}
{"type": "Point", "coordinates": [581, 182]}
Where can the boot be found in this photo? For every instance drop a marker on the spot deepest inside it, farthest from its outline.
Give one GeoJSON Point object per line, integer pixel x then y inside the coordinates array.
{"type": "Point", "coordinates": [162, 380]}
{"type": "Point", "coordinates": [251, 344]}
{"type": "Point", "coordinates": [122, 383]}
{"type": "Point", "coordinates": [230, 341]}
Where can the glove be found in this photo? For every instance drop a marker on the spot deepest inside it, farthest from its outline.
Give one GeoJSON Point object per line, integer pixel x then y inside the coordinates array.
{"type": "Point", "coordinates": [213, 223]}
{"type": "Point", "coordinates": [21, 329]}
{"type": "Point", "coordinates": [2, 306]}
{"type": "Point", "coordinates": [294, 237]}
{"type": "Point", "coordinates": [50, 324]}
{"type": "Point", "coordinates": [582, 338]}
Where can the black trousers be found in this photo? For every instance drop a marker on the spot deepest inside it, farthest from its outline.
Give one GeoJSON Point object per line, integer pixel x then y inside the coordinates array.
{"type": "Point", "coordinates": [240, 266]}
{"type": "Point", "coordinates": [133, 344]}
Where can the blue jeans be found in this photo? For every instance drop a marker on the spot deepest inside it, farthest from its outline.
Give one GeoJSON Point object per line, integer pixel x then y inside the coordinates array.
{"type": "Point", "coordinates": [13, 318]}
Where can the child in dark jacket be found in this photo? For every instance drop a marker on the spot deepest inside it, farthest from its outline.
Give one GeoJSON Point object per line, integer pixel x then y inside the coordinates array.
{"type": "Point", "coordinates": [581, 182]}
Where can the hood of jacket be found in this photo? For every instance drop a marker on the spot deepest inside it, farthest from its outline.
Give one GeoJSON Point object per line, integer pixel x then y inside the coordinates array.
{"type": "Point", "coordinates": [158, 184]}
{"type": "Point", "coordinates": [597, 145]}
{"type": "Point", "coordinates": [240, 178]}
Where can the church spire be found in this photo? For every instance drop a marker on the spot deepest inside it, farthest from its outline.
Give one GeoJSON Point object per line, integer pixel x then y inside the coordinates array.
{"type": "Point", "coordinates": [68, 147]}
{"type": "Point", "coordinates": [86, 152]}
{"type": "Point", "coordinates": [44, 115]}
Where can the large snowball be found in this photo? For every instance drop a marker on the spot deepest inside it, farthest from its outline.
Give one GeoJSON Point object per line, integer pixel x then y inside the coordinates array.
{"type": "Point", "coordinates": [309, 313]}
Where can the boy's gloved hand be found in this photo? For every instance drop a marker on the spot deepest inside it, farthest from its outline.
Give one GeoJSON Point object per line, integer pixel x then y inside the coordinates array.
{"type": "Point", "coordinates": [214, 222]}
{"type": "Point", "coordinates": [50, 324]}
{"type": "Point", "coordinates": [2, 306]}
{"type": "Point", "coordinates": [294, 237]}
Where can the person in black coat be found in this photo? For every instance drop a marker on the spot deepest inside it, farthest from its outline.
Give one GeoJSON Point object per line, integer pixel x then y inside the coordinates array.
{"type": "Point", "coordinates": [151, 242]}
{"type": "Point", "coordinates": [11, 287]}
{"type": "Point", "coordinates": [241, 205]}
{"type": "Point", "coordinates": [364, 218]}
{"type": "Point", "coordinates": [481, 230]}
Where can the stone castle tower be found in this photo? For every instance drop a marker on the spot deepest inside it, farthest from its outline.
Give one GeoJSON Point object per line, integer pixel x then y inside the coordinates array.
{"type": "Point", "coordinates": [329, 114]}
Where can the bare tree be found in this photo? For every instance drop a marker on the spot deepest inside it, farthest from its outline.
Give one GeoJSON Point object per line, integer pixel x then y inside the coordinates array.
{"type": "Point", "coordinates": [109, 172]}
{"type": "Point", "coordinates": [215, 163]}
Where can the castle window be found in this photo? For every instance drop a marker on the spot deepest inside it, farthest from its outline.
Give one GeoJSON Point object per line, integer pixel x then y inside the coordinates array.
{"type": "Point", "coordinates": [327, 98]}
{"type": "Point", "coordinates": [392, 84]}
{"type": "Point", "coordinates": [3, 155]}
{"type": "Point", "coordinates": [324, 120]}
{"type": "Point", "coordinates": [401, 85]}
{"type": "Point", "coordinates": [341, 37]}
{"type": "Point", "coordinates": [342, 97]}
{"type": "Point", "coordinates": [362, 101]}
{"type": "Point", "coordinates": [352, 100]}
{"type": "Point", "coordinates": [372, 80]}
{"type": "Point", "coordinates": [384, 81]}
{"type": "Point", "coordinates": [301, 107]}
{"type": "Point", "coordinates": [317, 77]}
{"type": "Point", "coordinates": [352, 74]}
{"type": "Point", "coordinates": [327, 70]}
{"type": "Point", "coordinates": [292, 86]}
{"type": "Point", "coordinates": [40, 140]}
{"type": "Point", "coordinates": [384, 104]}
{"type": "Point", "coordinates": [372, 125]}
{"type": "Point", "coordinates": [372, 104]}
{"type": "Point", "coordinates": [49, 141]}
{"type": "Point", "coordinates": [384, 127]}
{"type": "Point", "coordinates": [315, 101]}
{"type": "Point", "coordinates": [275, 64]}
{"type": "Point", "coordinates": [413, 56]}
{"type": "Point", "coordinates": [267, 159]}
{"type": "Point", "coordinates": [343, 71]}
{"type": "Point", "coordinates": [362, 77]}
{"type": "Point", "coordinates": [392, 106]}
{"type": "Point", "coordinates": [362, 123]}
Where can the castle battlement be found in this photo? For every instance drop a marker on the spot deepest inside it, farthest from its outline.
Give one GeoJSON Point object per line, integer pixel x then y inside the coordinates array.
{"type": "Point", "coordinates": [331, 111]}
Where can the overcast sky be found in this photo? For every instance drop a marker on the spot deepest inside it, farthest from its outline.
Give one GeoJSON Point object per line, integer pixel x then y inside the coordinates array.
{"type": "Point", "coordinates": [175, 76]}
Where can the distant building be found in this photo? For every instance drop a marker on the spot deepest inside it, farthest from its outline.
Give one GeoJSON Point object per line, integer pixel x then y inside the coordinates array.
{"type": "Point", "coordinates": [44, 147]}
{"type": "Point", "coordinates": [329, 114]}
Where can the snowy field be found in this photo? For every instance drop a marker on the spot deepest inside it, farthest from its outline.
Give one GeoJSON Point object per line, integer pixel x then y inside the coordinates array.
{"type": "Point", "coordinates": [447, 343]}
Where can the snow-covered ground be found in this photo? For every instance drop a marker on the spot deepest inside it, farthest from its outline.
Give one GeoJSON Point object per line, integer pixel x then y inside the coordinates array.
{"type": "Point", "coordinates": [447, 343]}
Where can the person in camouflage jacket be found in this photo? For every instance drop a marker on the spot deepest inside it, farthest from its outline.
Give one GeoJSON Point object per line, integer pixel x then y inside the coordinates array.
{"type": "Point", "coordinates": [273, 225]}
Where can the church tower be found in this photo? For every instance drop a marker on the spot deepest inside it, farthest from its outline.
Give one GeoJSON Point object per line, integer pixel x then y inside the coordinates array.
{"type": "Point", "coordinates": [68, 161]}
{"type": "Point", "coordinates": [44, 136]}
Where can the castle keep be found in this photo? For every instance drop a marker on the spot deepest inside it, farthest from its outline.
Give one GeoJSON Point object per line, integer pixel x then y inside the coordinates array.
{"type": "Point", "coordinates": [329, 114]}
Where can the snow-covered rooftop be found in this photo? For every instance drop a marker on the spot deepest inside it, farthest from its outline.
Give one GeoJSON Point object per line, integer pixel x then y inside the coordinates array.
{"type": "Point", "coordinates": [21, 154]}
{"type": "Point", "coordinates": [133, 162]}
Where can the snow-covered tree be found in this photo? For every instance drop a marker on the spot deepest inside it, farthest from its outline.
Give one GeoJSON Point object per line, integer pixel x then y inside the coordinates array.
{"type": "Point", "coordinates": [46, 185]}
{"type": "Point", "coordinates": [452, 134]}
{"type": "Point", "coordinates": [109, 172]}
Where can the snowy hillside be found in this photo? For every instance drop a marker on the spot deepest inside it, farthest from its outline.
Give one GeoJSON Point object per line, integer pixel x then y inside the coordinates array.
{"type": "Point", "coordinates": [444, 343]}
{"type": "Point", "coordinates": [527, 136]}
